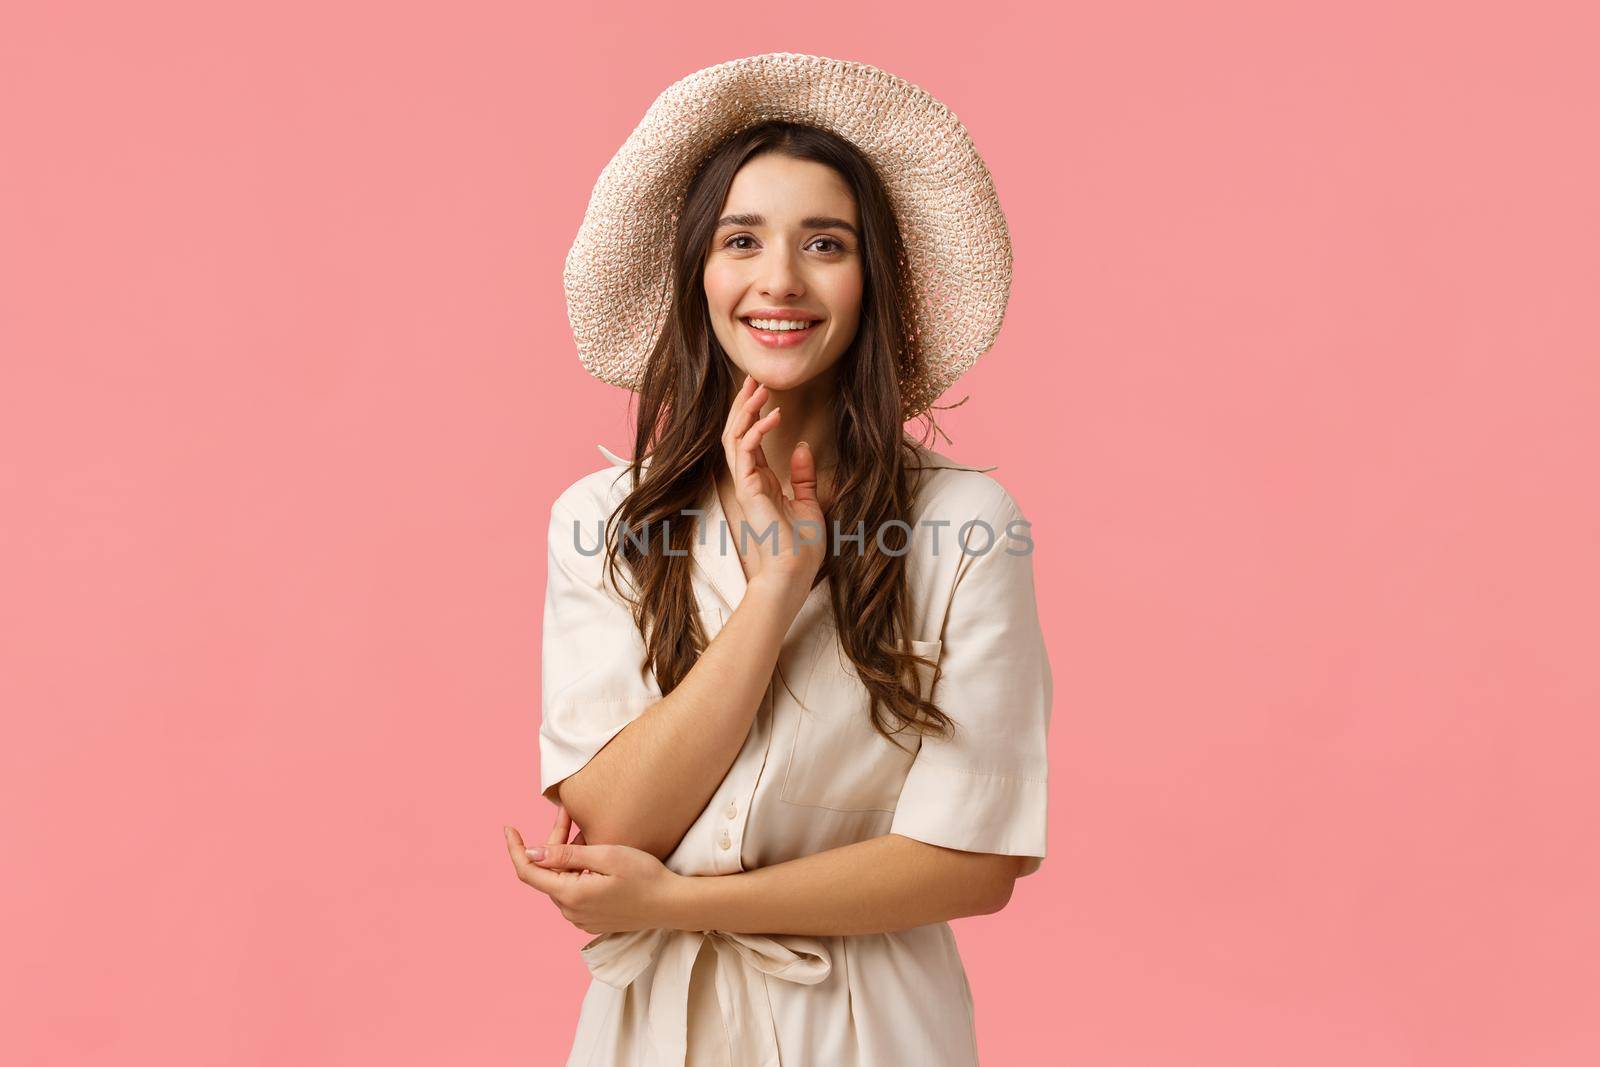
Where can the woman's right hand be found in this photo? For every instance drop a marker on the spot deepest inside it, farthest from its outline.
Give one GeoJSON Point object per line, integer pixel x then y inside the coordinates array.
{"type": "Point", "coordinates": [799, 552]}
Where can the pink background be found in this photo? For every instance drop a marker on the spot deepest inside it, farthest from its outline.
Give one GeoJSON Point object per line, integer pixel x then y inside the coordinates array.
{"type": "Point", "coordinates": [1298, 385]}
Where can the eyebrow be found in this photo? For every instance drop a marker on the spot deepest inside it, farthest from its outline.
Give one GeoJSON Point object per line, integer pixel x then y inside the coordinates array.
{"type": "Point", "coordinates": [814, 222]}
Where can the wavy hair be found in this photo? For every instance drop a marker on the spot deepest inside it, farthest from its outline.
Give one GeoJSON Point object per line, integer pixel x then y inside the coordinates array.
{"type": "Point", "coordinates": [687, 389]}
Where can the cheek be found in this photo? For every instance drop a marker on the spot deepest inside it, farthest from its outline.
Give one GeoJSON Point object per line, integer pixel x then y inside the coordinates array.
{"type": "Point", "coordinates": [722, 288]}
{"type": "Point", "coordinates": [845, 291]}
{"type": "Point", "coordinates": [844, 297]}
{"type": "Point", "coordinates": [720, 296]}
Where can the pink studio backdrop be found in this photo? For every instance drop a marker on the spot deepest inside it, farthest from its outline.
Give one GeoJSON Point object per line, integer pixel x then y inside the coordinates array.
{"type": "Point", "coordinates": [1298, 386]}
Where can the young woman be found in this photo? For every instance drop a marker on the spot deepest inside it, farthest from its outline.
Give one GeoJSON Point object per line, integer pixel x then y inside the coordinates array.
{"type": "Point", "coordinates": [793, 759]}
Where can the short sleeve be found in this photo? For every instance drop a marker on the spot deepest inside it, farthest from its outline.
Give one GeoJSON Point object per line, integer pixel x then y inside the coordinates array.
{"type": "Point", "coordinates": [593, 681]}
{"type": "Point", "coordinates": [985, 790]}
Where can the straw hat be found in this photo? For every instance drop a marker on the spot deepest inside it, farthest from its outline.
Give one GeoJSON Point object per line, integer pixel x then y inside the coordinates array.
{"type": "Point", "coordinates": [958, 249]}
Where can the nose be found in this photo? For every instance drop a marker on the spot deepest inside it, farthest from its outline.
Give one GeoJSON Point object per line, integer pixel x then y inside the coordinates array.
{"type": "Point", "coordinates": [780, 278]}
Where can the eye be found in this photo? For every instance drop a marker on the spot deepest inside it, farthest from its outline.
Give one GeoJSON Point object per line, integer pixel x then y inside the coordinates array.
{"type": "Point", "coordinates": [834, 245]}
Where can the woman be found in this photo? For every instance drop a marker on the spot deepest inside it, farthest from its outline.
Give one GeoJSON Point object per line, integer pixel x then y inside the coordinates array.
{"type": "Point", "coordinates": [794, 688]}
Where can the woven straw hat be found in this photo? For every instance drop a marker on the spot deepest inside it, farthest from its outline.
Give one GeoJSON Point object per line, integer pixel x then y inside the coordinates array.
{"type": "Point", "coordinates": [957, 246]}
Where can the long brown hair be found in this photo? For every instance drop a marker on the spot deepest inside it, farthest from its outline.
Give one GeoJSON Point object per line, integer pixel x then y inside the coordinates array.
{"type": "Point", "coordinates": [687, 390]}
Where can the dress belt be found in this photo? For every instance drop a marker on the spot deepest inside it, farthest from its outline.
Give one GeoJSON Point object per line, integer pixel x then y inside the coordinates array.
{"type": "Point", "coordinates": [742, 959]}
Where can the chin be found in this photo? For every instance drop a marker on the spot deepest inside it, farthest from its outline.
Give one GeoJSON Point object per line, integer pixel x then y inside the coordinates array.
{"type": "Point", "coordinates": [777, 373]}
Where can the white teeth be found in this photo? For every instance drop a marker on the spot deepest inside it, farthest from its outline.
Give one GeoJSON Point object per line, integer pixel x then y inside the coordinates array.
{"type": "Point", "coordinates": [778, 325]}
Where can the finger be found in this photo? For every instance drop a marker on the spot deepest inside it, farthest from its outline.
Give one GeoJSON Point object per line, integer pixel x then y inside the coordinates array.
{"type": "Point", "coordinates": [750, 443]}
{"type": "Point", "coordinates": [748, 417]}
{"type": "Point", "coordinates": [562, 827]}
{"type": "Point", "coordinates": [596, 858]}
{"type": "Point", "coordinates": [739, 411]}
{"type": "Point", "coordinates": [803, 473]}
{"type": "Point", "coordinates": [738, 403]}
{"type": "Point", "coordinates": [749, 460]}
{"type": "Point", "coordinates": [530, 872]}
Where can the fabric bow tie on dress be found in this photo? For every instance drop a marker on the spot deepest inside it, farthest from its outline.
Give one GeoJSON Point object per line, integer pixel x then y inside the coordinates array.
{"type": "Point", "coordinates": [742, 959]}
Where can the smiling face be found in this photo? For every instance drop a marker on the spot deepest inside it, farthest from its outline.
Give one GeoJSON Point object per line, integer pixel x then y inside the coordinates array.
{"type": "Point", "coordinates": [786, 252]}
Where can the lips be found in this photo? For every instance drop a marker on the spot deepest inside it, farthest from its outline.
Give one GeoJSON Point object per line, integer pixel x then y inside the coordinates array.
{"type": "Point", "coordinates": [780, 338]}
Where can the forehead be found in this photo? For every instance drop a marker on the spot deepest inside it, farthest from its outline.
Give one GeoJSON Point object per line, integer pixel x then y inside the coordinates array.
{"type": "Point", "coordinates": [783, 188]}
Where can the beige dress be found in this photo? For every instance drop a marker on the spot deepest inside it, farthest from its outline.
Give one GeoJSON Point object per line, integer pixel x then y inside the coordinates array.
{"type": "Point", "coordinates": [812, 775]}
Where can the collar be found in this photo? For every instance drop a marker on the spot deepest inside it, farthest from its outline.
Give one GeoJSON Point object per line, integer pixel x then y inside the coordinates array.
{"type": "Point", "coordinates": [713, 550]}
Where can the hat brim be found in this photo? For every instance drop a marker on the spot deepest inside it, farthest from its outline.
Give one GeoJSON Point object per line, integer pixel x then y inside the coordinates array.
{"type": "Point", "coordinates": [617, 274]}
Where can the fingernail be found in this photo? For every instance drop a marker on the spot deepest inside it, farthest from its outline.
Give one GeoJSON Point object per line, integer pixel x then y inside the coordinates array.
{"type": "Point", "coordinates": [536, 854]}
{"type": "Point", "coordinates": [805, 446]}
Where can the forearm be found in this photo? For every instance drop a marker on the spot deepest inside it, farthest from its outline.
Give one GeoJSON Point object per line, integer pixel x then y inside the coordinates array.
{"type": "Point", "coordinates": [649, 783]}
{"type": "Point", "coordinates": [873, 886]}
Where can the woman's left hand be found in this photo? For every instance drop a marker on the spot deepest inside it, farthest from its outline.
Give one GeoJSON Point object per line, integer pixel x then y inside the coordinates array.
{"type": "Point", "coordinates": [600, 889]}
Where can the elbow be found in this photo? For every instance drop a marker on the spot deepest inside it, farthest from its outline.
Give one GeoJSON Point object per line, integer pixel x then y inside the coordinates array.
{"type": "Point", "coordinates": [597, 829]}
{"type": "Point", "coordinates": [607, 832]}
{"type": "Point", "coordinates": [1003, 882]}
{"type": "Point", "coordinates": [630, 837]}
{"type": "Point", "coordinates": [1000, 897]}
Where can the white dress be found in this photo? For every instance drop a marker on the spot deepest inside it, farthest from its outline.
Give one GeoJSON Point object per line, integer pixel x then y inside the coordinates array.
{"type": "Point", "coordinates": [812, 775]}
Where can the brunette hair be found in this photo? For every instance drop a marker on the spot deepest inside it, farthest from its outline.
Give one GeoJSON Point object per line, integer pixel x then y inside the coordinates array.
{"type": "Point", "coordinates": [687, 389]}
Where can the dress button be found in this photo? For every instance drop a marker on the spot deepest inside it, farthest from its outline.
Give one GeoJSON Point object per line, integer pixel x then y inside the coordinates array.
{"type": "Point", "coordinates": [726, 842]}
{"type": "Point", "coordinates": [733, 809]}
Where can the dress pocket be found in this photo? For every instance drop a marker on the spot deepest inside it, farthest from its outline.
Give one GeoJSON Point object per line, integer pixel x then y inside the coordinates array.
{"type": "Point", "coordinates": [840, 760]}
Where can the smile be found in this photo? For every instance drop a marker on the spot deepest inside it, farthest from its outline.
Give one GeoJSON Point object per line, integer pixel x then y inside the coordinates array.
{"type": "Point", "coordinates": [779, 333]}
